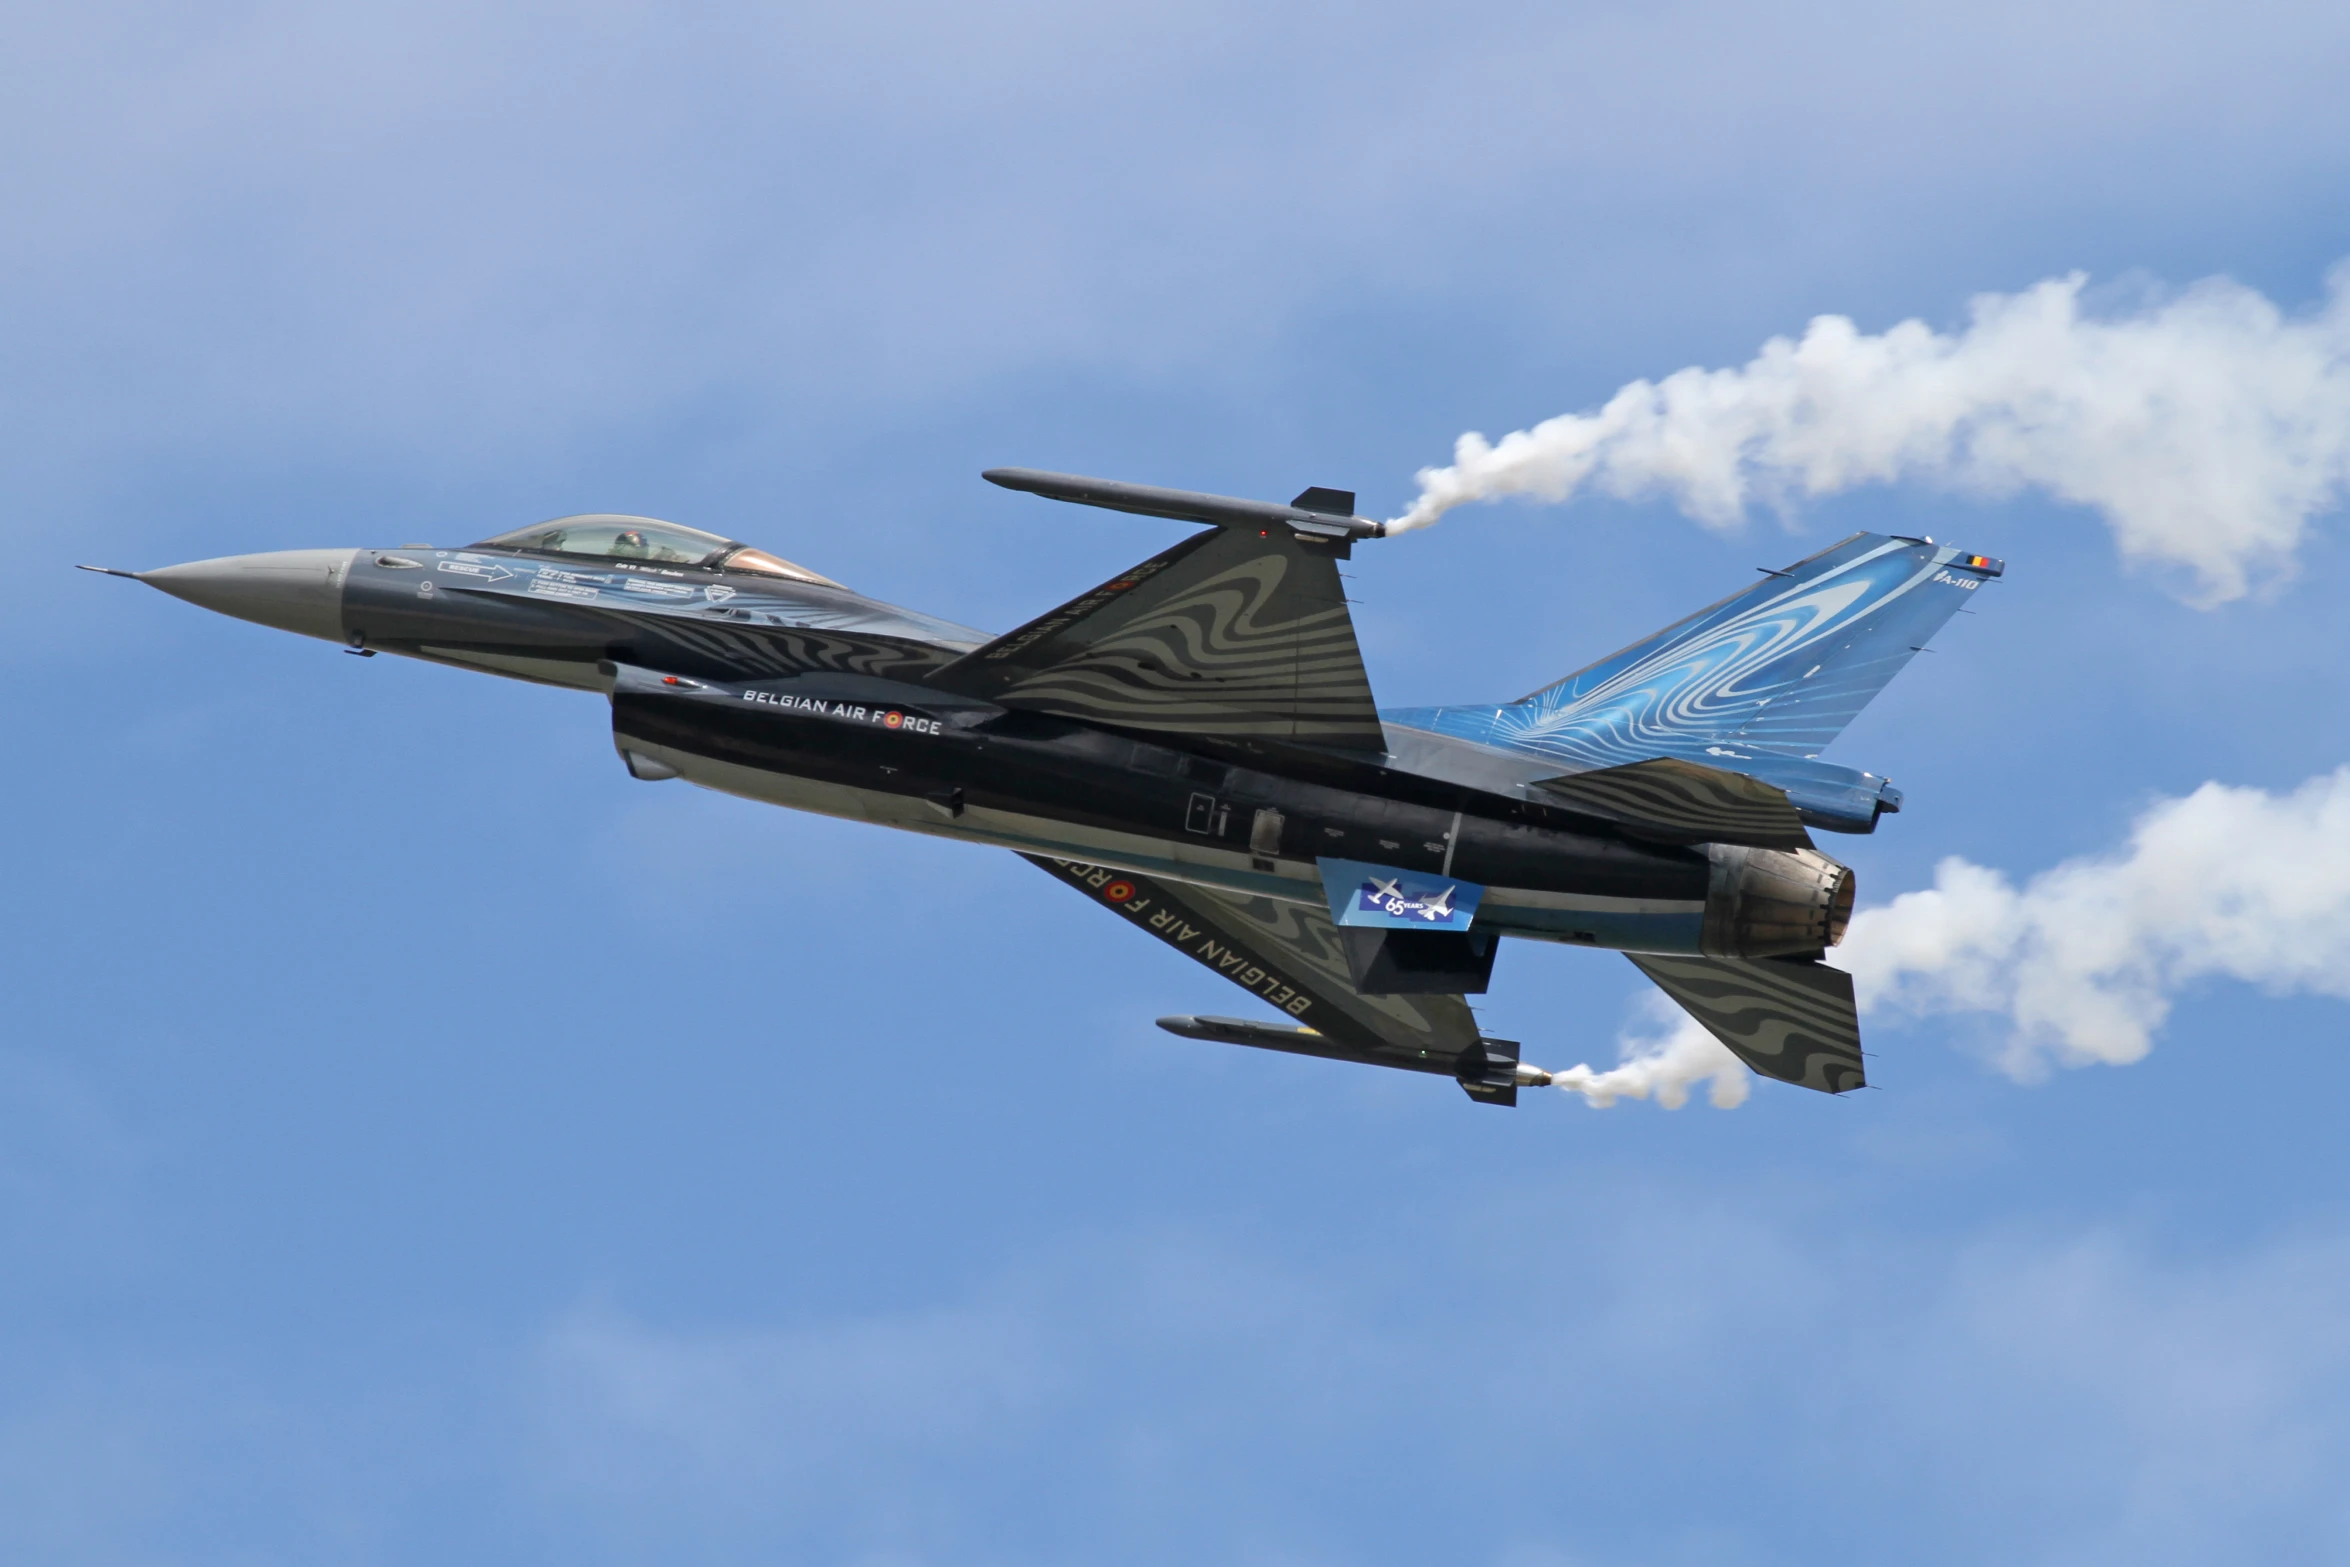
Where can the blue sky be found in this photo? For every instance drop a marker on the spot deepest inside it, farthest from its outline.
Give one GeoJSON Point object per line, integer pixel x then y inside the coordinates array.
{"type": "Point", "coordinates": [421, 1142]}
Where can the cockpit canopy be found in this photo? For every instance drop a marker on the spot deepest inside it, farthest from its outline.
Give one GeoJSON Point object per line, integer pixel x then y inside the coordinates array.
{"type": "Point", "coordinates": [608, 536]}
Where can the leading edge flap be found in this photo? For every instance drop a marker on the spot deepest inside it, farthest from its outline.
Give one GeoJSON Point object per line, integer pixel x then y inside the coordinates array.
{"type": "Point", "coordinates": [1788, 1018]}
{"type": "Point", "coordinates": [1241, 633]}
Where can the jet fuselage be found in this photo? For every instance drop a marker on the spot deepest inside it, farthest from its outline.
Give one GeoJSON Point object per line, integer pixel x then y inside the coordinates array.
{"type": "Point", "coordinates": [1195, 744]}
{"type": "Point", "coordinates": [809, 695]}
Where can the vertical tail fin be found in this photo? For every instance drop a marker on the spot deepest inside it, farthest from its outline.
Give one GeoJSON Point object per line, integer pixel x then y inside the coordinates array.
{"type": "Point", "coordinates": [1779, 668]}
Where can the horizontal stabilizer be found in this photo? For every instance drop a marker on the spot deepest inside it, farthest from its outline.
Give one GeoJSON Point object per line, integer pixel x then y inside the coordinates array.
{"type": "Point", "coordinates": [1788, 1018]}
{"type": "Point", "coordinates": [1684, 802]}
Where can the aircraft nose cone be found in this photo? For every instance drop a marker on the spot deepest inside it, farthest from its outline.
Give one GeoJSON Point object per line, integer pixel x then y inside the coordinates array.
{"type": "Point", "coordinates": [293, 590]}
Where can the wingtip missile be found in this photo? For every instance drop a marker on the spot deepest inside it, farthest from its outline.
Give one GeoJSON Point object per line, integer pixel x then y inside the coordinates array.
{"type": "Point", "coordinates": [1490, 1071]}
{"type": "Point", "coordinates": [1317, 513]}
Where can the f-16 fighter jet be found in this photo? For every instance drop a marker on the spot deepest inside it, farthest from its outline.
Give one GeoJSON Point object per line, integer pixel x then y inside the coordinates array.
{"type": "Point", "coordinates": [1193, 745]}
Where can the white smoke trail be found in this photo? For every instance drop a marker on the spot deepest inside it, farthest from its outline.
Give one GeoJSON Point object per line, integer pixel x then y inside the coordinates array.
{"type": "Point", "coordinates": [2083, 960]}
{"type": "Point", "coordinates": [2208, 428]}
{"type": "Point", "coordinates": [1664, 1065]}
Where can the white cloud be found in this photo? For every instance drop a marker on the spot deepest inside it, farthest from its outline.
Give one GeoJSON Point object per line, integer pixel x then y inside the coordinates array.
{"type": "Point", "coordinates": [445, 228]}
{"type": "Point", "coordinates": [1611, 1370]}
{"type": "Point", "coordinates": [840, 1414]}
{"type": "Point", "coordinates": [2208, 429]}
{"type": "Point", "coordinates": [1106, 1379]}
{"type": "Point", "coordinates": [2135, 1408]}
{"type": "Point", "coordinates": [2046, 1396]}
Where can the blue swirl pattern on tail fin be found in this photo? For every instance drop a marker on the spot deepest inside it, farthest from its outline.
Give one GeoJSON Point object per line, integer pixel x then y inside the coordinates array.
{"type": "Point", "coordinates": [1774, 672]}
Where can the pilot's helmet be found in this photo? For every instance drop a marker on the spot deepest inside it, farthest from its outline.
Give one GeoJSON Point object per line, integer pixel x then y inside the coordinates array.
{"type": "Point", "coordinates": [629, 542]}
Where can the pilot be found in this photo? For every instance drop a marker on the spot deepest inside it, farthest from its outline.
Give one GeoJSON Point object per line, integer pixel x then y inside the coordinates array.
{"type": "Point", "coordinates": [631, 543]}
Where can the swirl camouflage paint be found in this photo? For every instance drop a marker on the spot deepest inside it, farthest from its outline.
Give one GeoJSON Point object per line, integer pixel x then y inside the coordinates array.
{"type": "Point", "coordinates": [1778, 670]}
{"type": "Point", "coordinates": [1194, 743]}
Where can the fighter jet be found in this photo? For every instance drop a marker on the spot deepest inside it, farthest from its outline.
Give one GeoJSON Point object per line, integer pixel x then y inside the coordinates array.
{"type": "Point", "coordinates": [1193, 745]}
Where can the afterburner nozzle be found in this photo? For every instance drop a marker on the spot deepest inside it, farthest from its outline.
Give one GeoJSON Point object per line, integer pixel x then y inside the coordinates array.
{"type": "Point", "coordinates": [1531, 1076]}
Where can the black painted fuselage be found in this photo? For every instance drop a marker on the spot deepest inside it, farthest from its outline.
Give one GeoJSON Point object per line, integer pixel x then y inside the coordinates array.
{"type": "Point", "coordinates": [784, 691]}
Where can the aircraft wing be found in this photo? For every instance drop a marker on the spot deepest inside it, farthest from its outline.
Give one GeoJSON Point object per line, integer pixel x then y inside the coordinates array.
{"type": "Point", "coordinates": [1240, 632]}
{"type": "Point", "coordinates": [1288, 955]}
{"type": "Point", "coordinates": [1788, 1018]}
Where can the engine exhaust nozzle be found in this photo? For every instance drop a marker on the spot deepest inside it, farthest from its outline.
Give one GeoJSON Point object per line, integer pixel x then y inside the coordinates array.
{"type": "Point", "coordinates": [1767, 903]}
